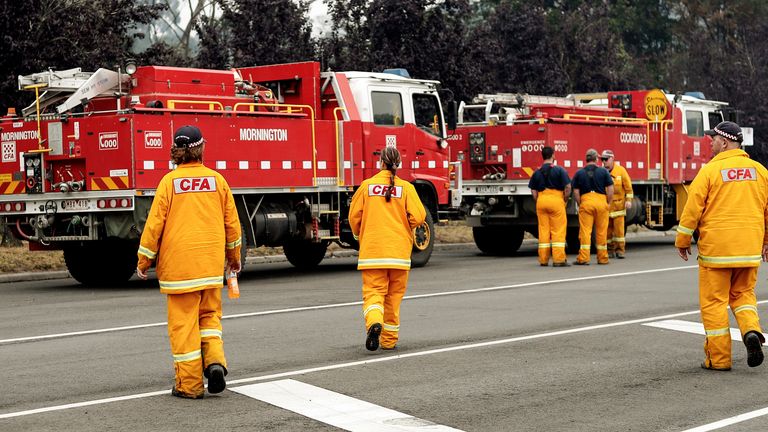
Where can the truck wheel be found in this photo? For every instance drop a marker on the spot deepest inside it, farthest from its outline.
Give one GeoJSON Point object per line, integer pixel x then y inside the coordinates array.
{"type": "Point", "coordinates": [102, 263]}
{"type": "Point", "coordinates": [305, 254]}
{"type": "Point", "coordinates": [423, 242]}
{"type": "Point", "coordinates": [498, 240]}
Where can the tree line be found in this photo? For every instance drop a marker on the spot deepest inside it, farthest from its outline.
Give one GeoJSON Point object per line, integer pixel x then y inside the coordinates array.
{"type": "Point", "coordinates": [549, 47]}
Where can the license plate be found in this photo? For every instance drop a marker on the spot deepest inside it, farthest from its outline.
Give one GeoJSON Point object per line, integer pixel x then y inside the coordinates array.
{"type": "Point", "coordinates": [79, 204]}
{"type": "Point", "coordinates": [488, 189]}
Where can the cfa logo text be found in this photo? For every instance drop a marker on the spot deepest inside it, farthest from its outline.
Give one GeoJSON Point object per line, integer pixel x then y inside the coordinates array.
{"type": "Point", "coordinates": [194, 184]}
{"type": "Point", "coordinates": [381, 190]}
{"type": "Point", "coordinates": [738, 174]}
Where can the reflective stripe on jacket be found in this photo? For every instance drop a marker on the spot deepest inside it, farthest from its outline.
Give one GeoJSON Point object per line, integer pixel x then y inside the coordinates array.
{"type": "Point", "coordinates": [192, 225]}
{"type": "Point", "coordinates": [728, 204]}
{"type": "Point", "coordinates": [385, 229]}
{"type": "Point", "coordinates": [622, 190]}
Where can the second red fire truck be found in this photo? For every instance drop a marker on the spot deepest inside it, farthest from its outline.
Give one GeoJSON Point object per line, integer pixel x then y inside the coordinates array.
{"type": "Point", "coordinates": [658, 137]}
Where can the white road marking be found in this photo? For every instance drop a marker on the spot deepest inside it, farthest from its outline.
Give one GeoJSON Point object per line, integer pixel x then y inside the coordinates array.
{"type": "Point", "coordinates": [698, 328]}
{"type": "Point", "coordinates": [336, 409]}
{"type": "Point", "coordinates": [338, 305]}
{"type": "Point", "coordinates": [82, 404]}
{"type": "Point", "coordinates": [690, 327]}
{"type": "Point", "coordinates": [729, 421]}
{"type": "Point", "coordinates": [369, 361]}
{"type": "Point", "coordinates": [693, 327]}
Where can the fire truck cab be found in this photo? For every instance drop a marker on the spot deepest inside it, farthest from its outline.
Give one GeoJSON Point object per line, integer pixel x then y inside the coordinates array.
{"type": "Point", "coordinates": [80, 165]}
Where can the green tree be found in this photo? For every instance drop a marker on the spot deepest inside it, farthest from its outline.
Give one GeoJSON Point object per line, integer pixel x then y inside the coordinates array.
{"type": "Point", "coordinates": [348, 46]}
{"type": "Point", "coordinates": [65, 34]}
{"type": "Point", "coordinates": [520, 52]}
{"type": "Point", "coordinates": [257, 32]}
{"type": "Point", "coordinates": [645, 28]}
{"type": "Point", "coordinates": [730, 62]}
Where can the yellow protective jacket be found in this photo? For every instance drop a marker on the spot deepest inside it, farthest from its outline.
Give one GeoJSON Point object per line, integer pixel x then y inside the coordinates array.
{"type": "Point", "coordinates": [728, 204]}
{"type": "Point", "coordinates": [385, 229]}
{"type": "Point", "coordinates": [622, 191]}
{"type": "Point", "coordinates": [191, 226]}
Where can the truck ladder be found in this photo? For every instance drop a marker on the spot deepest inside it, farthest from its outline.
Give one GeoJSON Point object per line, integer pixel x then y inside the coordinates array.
{"type": "Point", "coordinates": [73, 86]}
{"type": "Point", "coordinates": [521, 99]}
{"type": "Point", "coordinates": [654, 207]}
{"type": "Point", "coordinates": [323, 212]}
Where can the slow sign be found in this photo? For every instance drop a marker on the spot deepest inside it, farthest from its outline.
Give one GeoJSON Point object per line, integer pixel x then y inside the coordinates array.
{"type": "Point", "coordinates": [656, 105]}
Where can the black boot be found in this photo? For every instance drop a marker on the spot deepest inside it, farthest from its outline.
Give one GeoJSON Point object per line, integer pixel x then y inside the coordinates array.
{"type": "Point", "coordinates": [754, 344]}
{"type": "Point", "coordinates": [372, 341]}
{"type": "Point", "coordinates": [215, 374]}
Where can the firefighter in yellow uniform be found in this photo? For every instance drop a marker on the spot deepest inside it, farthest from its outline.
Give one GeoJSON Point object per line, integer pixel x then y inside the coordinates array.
{"type": "Point", "coordinates": [192, 227]}
{"type": "Point", "coordinates": [592, 191]}
{"type": "Point", "coordinates": [384, 212]}
{"type": "Point", "coordinates": [551, 188]}
{"type": "Point", "coordinates": [622, 201]}
{"type": "Point", "coordinates": [728, 205]}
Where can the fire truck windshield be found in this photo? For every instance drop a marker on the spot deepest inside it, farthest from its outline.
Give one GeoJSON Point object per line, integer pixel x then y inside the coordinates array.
{"type": "Point", "coordinates": [427, 113]}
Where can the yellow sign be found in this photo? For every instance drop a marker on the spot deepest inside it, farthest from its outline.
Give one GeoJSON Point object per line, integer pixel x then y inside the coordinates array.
{"type": "Point", "coordinates": [656, 105]}
{"type": "Point", "coordinates": [5, 178]}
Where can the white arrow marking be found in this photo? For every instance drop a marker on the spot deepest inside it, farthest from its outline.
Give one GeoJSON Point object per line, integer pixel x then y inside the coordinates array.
{"type": "Point", "coordinates": [336, 409]}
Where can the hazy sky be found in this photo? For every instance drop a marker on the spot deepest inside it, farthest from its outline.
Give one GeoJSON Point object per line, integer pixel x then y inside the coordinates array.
{"type": "Point", "coordinates": [318, 13]}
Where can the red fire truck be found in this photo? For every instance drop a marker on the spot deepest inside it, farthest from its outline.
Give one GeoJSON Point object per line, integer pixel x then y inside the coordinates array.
{"type": "Point", "coordinates": [80, 165]}
{"type": "Point", "coordinates": [658, 137]}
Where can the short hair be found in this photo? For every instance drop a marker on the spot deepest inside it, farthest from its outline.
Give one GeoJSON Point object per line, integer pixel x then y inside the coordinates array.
{"type": "Point", "coordinates": [547, 152]}
{"type": "Point", "coordinates": [591, 155]}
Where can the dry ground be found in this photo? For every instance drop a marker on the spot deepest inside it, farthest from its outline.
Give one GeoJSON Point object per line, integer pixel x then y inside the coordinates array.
{"type": "Point", "coordinates": [19, 259]}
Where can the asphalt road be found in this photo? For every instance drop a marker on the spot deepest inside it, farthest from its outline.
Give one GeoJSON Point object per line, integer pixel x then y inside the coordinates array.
{"type": "Point", "coordinates": [487, 344]}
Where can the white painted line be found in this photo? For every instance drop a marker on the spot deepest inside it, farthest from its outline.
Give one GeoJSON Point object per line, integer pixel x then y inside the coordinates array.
{"type": "Point", "coordinates": [338, 305]}
{"type": "Point", "coordinates": [698, 328]}
{"type": "Point", "coordinates": [336, 409]}
{"type": "Point", "coordinates": [82, 404]}
{"type": "Point", "coordinates": [370, 361]}
{"type": "Point", "coordinates": [730, 421]}
{"type": "Point", "coordinates": [690, 327]}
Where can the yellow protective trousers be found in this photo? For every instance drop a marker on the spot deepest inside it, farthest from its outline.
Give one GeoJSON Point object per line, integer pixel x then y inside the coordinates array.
{"type": "Point", "coordinates": [194, 327]}
{"type": "Point", "coordinates": [616, 239]}
{"type": "Point", "coordinates": [383, 291]}
{"type": "Point", "coordinates": [593, 210]}
{"type": "Point", "coordinates": [719, 288]}
{"type": "Point", "coordinates": [550, 210]}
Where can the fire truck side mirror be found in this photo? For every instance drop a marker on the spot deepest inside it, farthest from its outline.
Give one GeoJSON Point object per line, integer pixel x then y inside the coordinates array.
{"type": "Point", "coordinates": [452, 115]}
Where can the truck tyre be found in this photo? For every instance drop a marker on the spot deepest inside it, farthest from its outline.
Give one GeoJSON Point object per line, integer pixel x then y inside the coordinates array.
{"type": "Point", "coordinates": [304, 254]}
{"type": "Point", "coordinates": [102, 263]}
{"type": "Point", "coordinates": [498, 240]}
{"type": "Point", "coordinates": [423, 242]}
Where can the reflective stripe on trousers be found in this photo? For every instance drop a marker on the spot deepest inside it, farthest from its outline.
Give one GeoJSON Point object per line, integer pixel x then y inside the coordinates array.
{"type": "Point", "coordinates": [553, 222]}
{"type": "Point", "coordinates": [616, 234]}
{"type": "Point", "coordinates": [593, 210]}
{"type": "Point", "coordinates": [383, 291]}
{"type": "Point", "coordinates": [194, 328]}
{"type": "Point", "coordinates": [719, 288]}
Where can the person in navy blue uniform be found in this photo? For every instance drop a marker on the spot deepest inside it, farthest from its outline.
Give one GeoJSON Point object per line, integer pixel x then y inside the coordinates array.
{"type": "Point", "coordinates": [593, 191]}
{"type": "Point", "coordinates": [551, 188]}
